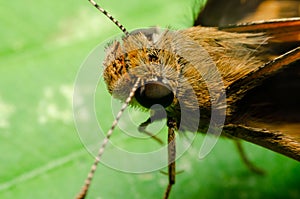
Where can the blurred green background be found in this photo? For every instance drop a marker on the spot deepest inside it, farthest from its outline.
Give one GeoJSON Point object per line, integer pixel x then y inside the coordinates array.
{"type": "Point", "coordinates": [42, 45]}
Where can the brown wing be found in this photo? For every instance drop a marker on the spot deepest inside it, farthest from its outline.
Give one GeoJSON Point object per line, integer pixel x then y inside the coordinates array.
{"type": "Point", "coordinates": [264, 107]}
{"type": "Point", "coordinates": [221, 13]}
{"type": "Point", "coordinates": [277, 18]}
{"type": "Point", "coordinates": [284, 34]}
{"type": "Point", "coordinates": [277, 141]}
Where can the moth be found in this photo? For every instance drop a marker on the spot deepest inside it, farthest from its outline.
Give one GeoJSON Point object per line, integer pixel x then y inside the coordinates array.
{"type": "Point", "coordinates": [241, 80]}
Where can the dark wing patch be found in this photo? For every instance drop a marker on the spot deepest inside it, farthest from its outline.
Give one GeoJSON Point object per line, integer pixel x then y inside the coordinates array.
{"type": "Point", "coordinates": [269, 100]}
{"type": "Point", "coordinates": [264, 106]}
{"type": "Point", "coordinates": [286, 66]}
{"type": "Point", "coordinates": [221, 13]}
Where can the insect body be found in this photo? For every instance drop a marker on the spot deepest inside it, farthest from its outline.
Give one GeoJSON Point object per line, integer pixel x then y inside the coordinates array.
{"type": "Point", "coordinates": [200, 76]}
{"type": "Point", "coordinates": [174, 75]}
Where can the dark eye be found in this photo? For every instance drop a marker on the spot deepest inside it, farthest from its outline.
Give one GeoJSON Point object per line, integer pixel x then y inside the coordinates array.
{"type": "Point", "coordinates": [154, 93]}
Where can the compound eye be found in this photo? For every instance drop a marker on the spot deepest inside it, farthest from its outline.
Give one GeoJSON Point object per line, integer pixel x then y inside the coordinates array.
{"type": "Point", "coordinates": [154, 93]}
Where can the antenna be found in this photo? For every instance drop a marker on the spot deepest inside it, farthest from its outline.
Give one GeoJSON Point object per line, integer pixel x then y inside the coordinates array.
{"type": "Point", "coordinates": [88, 180]}
{"type": "Point", "coordinates": [109, 16]}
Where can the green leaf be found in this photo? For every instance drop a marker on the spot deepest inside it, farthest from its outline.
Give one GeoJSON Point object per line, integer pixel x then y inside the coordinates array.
{"type": "Point", "coordinates": [43, 44]}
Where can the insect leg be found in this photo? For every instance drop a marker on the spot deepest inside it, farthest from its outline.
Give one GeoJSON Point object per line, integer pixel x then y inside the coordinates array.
{"type": "Point", "coordinates": [142, 128]}
{"type": "Point", "coordinates": [171, 156]}
{"type": "Point", "coordinates": [246, 160]}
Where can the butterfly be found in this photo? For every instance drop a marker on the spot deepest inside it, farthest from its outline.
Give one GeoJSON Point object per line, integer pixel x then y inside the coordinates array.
{"type": "Point", "coordinates": [242, 78]}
